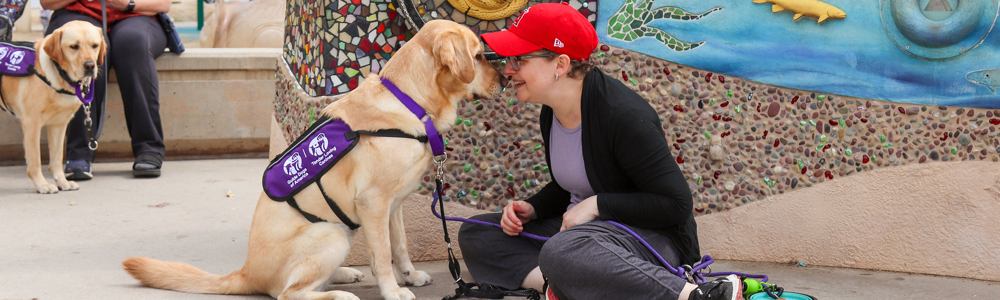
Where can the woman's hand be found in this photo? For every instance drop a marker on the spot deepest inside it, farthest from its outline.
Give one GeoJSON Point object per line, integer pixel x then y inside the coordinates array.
{"type": "Point", "coordinates": [583, 212]}
{"type": "Point", "coordinates": [515, 214]}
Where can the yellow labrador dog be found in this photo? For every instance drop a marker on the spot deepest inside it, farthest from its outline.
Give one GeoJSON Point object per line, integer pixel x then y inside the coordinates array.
{"type": "Point", "coordinates": [76, 48]}
{"type": "Point", "coordinates": [289, 257]}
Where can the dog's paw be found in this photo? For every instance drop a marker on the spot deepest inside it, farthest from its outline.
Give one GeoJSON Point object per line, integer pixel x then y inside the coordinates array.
{"type": "Point", "coordinates": [341, 295]}
{"type": "Point", "coordinates": [47, 189]}
{"type": "Point", "coordinates": [346, 275]}
{"type": "Point", "coordinates": [398, 294]}
{"type": "Point", "coordinates": [68, 185]}
{"type": "Point", "coordinates": [416, 278]}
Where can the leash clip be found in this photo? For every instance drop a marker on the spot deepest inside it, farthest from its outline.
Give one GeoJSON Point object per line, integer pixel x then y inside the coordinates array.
{"type": "Point", "coordinates": [689, 273]}
{"type": "Point", "coordinates": [89, 123]}
{"type": "Point", "coordinates": [439, 174]}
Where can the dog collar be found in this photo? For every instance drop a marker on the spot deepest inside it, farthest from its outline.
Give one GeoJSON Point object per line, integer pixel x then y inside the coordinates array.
{"type": "Point", "coordinates": [86, 98]}
{"type": "Point", "coordinates": [437, 144]}
{"type": "Point", "coordinates": [85, 92]}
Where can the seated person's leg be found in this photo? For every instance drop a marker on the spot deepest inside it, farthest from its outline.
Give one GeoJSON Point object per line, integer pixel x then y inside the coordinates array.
{"type": "Point", "coordinates": [135, 44]}
{"type": "Point", "coordinates": [600, 261]}
{"type": "Point", "coordinates": [78, 154]}
{"type": "Point", "coordinates": [496, 258]}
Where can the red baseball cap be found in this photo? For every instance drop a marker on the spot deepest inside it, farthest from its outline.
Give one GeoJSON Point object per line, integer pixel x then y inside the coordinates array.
{"type": "Point", "coordinates": [554, 26]}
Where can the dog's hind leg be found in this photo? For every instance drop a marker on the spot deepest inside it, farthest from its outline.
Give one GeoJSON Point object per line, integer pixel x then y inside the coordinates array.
{"type": "Point", "coordinates": [57, 140]}
{"type": "Point", "coordinates": [375, 225]}
{"type": "Point", "coordinates": [33, 156]}
{"type": "Point", "coordinates": [318, 253]}
{"type": "Point", "coordinates": [400, 257]}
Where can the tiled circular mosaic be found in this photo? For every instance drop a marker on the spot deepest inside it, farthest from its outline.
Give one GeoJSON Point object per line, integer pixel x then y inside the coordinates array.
{"type": "Point", "coordinates": [331, 45]}
{"type": "Point", "coordinates": [736, 141]}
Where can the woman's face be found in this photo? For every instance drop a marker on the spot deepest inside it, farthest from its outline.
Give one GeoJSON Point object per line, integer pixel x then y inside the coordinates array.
{"type": "Point", "coordinates": [534, 78]}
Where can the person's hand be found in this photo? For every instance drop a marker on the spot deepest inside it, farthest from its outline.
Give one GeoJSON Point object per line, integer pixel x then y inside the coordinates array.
{"type": "Point", "coordinates": [583, 212]}
{"type": "Point", "coordinates": [515, 214]}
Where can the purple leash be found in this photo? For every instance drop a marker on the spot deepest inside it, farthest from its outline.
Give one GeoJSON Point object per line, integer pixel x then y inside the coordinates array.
{"type": "Point", "coordinates": [697, 277]}
{"type": "Point", "coordinates": [692, 275]}
{"type": "Point", "coordinates": [436, 214]}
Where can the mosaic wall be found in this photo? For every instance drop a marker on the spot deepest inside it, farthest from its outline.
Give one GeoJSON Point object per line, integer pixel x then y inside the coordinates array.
{"type": "Point", "coordinates": [891, 50]}
{"type": "Point", "coordinates": [330, 46]}
{"type": "Point", "coordinates": [736, 141]}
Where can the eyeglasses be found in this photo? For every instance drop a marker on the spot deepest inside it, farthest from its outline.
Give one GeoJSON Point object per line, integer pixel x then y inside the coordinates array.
{"type": "Point", "coordinates": [515, 61]}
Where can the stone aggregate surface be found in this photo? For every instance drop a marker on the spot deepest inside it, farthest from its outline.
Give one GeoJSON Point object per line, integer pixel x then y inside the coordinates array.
{"type": "Point", "coordinates": [736, 141]}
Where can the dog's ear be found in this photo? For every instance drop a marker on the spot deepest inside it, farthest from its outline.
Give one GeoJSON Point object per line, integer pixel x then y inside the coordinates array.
{"type": "Point", "coordinates": [53, 47]}
{"type": "Point", "coordinates": [103, 51]}
{"type": "Point", "coordinates": [451, 50]}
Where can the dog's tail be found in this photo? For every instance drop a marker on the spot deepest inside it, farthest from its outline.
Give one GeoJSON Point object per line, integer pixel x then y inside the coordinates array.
{"type": "Point", "coordinates": [185, 278]}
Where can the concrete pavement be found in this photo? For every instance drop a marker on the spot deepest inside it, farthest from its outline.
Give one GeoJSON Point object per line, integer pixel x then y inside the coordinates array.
{"type": "Point", "coordinates": [70, 245]}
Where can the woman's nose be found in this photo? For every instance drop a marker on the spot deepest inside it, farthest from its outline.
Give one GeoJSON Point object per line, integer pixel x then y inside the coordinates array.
{"type": "Point", "coordinates": [508, 69]}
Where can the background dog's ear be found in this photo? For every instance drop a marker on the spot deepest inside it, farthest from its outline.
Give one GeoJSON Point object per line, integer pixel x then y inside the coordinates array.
{"type": "Point", "coordinates": [452, 52]}
{"type": "Point", "coordinates": [103, 52]}
{"type": "Point", "coordinates": [52, 47]}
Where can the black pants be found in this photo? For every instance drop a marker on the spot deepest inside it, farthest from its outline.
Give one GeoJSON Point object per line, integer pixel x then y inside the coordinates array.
{"type": "Point", "coordinates": [596, 260]}
{"type": "Point", "coordinates": [134, 43]}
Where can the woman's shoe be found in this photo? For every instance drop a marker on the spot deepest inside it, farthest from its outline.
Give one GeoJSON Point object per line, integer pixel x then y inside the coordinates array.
{"type": "Point", "coordinates": [722, 288]}
{"type": "Point", "coordinates": [147, 165]}
{"type": "Point", "coordinates": [78, 170]}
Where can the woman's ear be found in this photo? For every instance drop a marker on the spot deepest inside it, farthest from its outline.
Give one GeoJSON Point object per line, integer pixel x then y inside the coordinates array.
{"type": "Point", "coordinates": [563, 65]}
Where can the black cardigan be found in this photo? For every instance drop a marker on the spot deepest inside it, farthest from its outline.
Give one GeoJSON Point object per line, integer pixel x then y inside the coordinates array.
{"type": "Point", "coordinates": [628, 164]}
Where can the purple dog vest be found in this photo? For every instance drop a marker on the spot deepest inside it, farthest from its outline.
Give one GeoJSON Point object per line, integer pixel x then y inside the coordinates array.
{"type": "Point", "coordinates": [312, 154]}
{"type": "Point", "coordinates": [317, 150]}
{"type": "Point", "coordinates": [16, 58]}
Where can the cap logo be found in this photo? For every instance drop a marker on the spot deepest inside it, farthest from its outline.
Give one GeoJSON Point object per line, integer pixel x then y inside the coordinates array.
{"type": "Point", "coordinates": [518, 20]}
{"type": "Point", "coordinates": [558, 43]}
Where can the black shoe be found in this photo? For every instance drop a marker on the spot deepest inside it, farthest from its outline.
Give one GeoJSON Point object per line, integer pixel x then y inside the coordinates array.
{"type": "Point", "coordinates": [147, 165]}
{"type": "Point", "coordinates": [78, 170]}
{"type": "Point", "coordinates": [722, 288]}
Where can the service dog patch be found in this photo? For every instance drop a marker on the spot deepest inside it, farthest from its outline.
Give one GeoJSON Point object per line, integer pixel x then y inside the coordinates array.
{"type": "Point", "coordinates": [308, 158]}
{"type": "Point", "coordinates": [16, 58]}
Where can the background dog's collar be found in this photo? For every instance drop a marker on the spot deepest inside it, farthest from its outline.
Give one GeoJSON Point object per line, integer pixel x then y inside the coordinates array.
{"type": "Point", "coordinates": [437, 144]}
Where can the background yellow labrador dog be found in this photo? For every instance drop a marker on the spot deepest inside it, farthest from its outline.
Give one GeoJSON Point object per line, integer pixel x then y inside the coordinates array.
{"type": "Point", "coordinates": [289, 257]}
{"type": "Point", "coordinates": [77, 47]}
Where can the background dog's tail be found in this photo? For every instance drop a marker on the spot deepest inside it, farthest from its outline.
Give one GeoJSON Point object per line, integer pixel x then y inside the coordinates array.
{"type": "Point", "coordinates": [185, 278]}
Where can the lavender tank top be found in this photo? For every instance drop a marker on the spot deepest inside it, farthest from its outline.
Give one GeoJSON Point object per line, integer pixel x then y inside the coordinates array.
{"type": "Point", "coordinates": [566, 154]}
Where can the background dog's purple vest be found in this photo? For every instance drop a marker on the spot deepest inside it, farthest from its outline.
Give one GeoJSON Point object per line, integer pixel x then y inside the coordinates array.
{"type": "Point", "coordinates": [16, 58]}
{"type": "Point", "coordinates": [308, 158]}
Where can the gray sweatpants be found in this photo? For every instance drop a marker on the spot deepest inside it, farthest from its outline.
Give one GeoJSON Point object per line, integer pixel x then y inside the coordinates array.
{"type": "Point", "coordinates": [596, 260]}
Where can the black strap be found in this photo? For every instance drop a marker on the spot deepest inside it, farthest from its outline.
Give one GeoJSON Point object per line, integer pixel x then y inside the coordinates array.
{"type": "Point", "coordinates": [336, 209]}
{"type": "Point", "coordinates": [469, 289]}
{"type": "Point", "coordinates": [310, 217]}
{"type": "Point", "coordinates": [64, 75]}
{"type": "Point", "coordinates": [396, 133]}
{"type": "Point", "coordinates": [31, 69]}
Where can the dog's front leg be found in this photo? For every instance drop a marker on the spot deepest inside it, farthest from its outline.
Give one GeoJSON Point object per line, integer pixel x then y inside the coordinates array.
{"type": "Point", "coordinates": [400, 257]}
{"type": "Point", "coordinates": [32, 130]}
{"type": "Point", "coordinates": [375, 225]}
{"type": "Point", "coordinates": [57, 141]}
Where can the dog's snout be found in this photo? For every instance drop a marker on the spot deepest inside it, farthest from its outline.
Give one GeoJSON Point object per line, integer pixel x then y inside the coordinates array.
{"type": "Point", "coordinates": [89, 65]}
{"type": "Point", "coordinates": [504, 80]}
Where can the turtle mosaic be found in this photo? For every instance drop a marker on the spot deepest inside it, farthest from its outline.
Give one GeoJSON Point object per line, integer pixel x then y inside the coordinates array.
{"type": "Point", "coordinates": [629, 23]}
